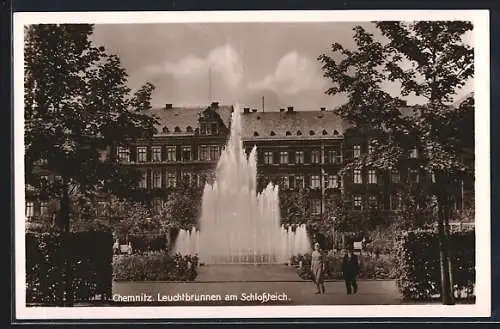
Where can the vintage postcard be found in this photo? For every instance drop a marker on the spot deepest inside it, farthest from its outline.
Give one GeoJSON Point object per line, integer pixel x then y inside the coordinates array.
{"type": "Point", "coordinates": [303, 164]}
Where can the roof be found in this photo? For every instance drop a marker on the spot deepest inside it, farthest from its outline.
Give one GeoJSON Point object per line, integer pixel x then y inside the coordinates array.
{"type": "Point", "coordinates": [302, 124]}
{"type": "Point", "coordinates": [184, 117]}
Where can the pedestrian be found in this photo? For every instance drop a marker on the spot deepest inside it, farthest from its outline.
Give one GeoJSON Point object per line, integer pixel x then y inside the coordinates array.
{"type": "Point", "coordinates": [350, 270]}
{"type": "Point", "coordinates": [318, 268]}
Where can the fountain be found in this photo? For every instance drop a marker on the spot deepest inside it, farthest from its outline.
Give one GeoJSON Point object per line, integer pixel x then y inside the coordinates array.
{"type": "Point", "coordinates": [237, 224]}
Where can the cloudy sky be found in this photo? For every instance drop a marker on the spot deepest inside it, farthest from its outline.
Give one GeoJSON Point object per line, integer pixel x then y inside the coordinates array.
{"type": "Point", "coordinates": [247, 61]}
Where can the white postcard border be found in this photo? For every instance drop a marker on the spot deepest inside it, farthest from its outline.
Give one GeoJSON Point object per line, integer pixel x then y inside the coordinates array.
{"type": "Point", "coordinates": [482, 307]}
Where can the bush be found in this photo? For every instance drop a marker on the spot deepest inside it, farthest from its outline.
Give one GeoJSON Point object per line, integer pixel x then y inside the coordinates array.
{"type": "Point", "coordinates": [418, 269]}
{"type": "Point", "coordinates": [370, 267]}
{"type": "Point", "coordinates": [154, 266]}
{"type": "Point", "coordinates": [90, 256]}
{"type": "Point", "coordinates": [147, 242]}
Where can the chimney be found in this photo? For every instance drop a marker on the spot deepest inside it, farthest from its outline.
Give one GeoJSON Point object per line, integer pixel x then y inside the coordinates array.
{"type": "Point", "coordinates": [254, 110]}
{"type": "Point", "coordinates": [246, 110]}
{"type": "Point", "coordinates": [282, 110]}
{"type": "Point", "coordinates": [323, 109]}
{"type": "Point", "coordinates": [168, 106]}
{"type": "Point", "coordinates": [215, 104]}
{"type": "Point", "coordinates": [290, 109]}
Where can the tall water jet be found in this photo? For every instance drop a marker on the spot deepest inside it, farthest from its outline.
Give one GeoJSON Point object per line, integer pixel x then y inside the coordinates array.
{"type": "Point", "coordinates": [237, 224]}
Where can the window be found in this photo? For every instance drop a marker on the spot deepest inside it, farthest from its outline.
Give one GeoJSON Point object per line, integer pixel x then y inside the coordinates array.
{"type": "Point", "coordinates": [395, 176]}
{"type": "Point", "coordinates": [144, 178]}
{"type": "Point", "coordinates": [157, 205]}
{"type": "Point", "coordinates": [333, 181]}
{"type": "Point", "coordinates": [315, 181]}
{"type": "Point", "coordinates": [291, 181]}
{"type": "Point", "coordinates": [171, 153]}
{"type": "Point", "coordinates": [201, 180]}
{"type": "Point", "coordinates": [358, 202]}
{"type": "Point", "coordinates": [157, 179]}
{"type": "Point", "coordinates": [299, 157]}
{"type": "Point", "coordinates": [189, 129]}
{"type": "Point", "coordinates": [186, 153]}
{"type": "Point", "coordinates": [284, 157]}
{"type": "Point", "coordinates": [332, 156]}
{"type": "Point", "coordinates": [299, 181]}
{"type": "Point", "coordinates": [396, 201]}
{"type": "Point", "coordinates": [204, 129]}
{"type": "Point", "coordinates": [157, 153]}
{"type": "Point", "coordinates": [43, 161]}
{"type": "Point", "coordinates": [357, 176]}
{"type": "Point", "coordinates": [268, 157]}
{"type": "Point", "coordinates": [29, 211]}
{"type": "Point", "coordinates": [124, 154]}
{"type": "Point", "coordinates": [43, 208]}
{"type": "Point", "coordinates": [142, 154]}
{"type": "Point", "coordinates": [203, 153]}
{"type": "Point", "coordinates": [315, 156]}
{"type": "Point", "coordinates": [371, 146]}
{"type": "Point", "coordinates": [356, 151]}
{"type": "Point", "coordinates": [285, 182]}
{"type": "Point", "coordinates": [187, 178]}
{"type": "Point", "coordinates": [214, 152]}
{"type": "Point", "coordinates": [315, 207]}
{"type": "Point", "coordinates": [414, 153]}
{"type": "Point", "coordinates": [101, 208]}
{"type": "Point", "coordinates": [372, 200]}
{"type": "Point", "coordinates": [171, 179]}
{"type": "Point", "coordinates": [372, 176]}
{"type": "Point", "coordinates": [413, 176]}
{"type": "Point", "coordinates": [215, 128]}
{"type": "Point", "coordinates": [44, 179]}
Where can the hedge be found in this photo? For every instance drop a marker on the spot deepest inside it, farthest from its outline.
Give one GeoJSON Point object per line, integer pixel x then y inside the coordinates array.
{"type": "Point", "coordinates": [418, 269]}
{"type": "Point", "coordinates": [154, 266]}
{"type": "Point", "coordinates": [370, 267]}
{"type": "Point", "coordinates": [146, 242]}
{"type": "Point", "coordinates": [90, 256]}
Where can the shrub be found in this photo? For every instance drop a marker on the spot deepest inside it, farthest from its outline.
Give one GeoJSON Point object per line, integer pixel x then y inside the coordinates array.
{"type": "Point", "coordinates": [154, 266]}
{"type": "Point", "coordinates": [90, 257]}
{"type": "Point", "coordinates": [147, 242]}
{"type": "Point", "coordinates": [418, 268]}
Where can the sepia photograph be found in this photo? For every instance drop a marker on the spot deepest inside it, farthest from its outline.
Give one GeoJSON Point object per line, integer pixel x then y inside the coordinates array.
{"type": "Point", "coordinates": [257, 164]}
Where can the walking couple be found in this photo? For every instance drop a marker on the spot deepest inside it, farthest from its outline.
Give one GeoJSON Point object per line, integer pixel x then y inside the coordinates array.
{"type": "Point", "coordinates": [350, 270]}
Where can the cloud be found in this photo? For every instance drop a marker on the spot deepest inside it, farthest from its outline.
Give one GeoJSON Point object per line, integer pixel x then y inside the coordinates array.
{"type": "Point", "coordinates": [224, 61]}
{"type": "Point", "coordinates": [294, 74]}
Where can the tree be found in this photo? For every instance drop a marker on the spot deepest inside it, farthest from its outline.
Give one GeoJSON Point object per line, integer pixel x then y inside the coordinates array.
{"type": "Point", "coordinates": [293, 206]}
{"type": "Point", "coordinates": [426, 59]}
{"type": "Point", "coordinates": [182, 207]}
{"type": "Point", "coordinates": [77, 107]}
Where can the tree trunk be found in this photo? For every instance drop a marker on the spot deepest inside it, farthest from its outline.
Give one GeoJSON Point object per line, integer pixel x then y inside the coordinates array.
{"type": "Point", "coordinates": [446, 287]}
{"type": "Point", "coordinates": [64, 225]}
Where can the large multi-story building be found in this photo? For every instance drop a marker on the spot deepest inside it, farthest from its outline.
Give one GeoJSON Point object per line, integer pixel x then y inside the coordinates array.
{"type": "Point", "coordinates": [295, 149]}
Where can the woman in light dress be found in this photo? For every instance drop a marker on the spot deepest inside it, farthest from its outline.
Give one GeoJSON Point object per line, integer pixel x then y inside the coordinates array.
{"type": "Point", "coordinates": [317, 269]}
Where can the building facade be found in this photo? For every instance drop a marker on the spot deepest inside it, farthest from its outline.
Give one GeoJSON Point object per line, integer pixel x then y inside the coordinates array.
{"type": "Point", "coordinates": [298, 150]}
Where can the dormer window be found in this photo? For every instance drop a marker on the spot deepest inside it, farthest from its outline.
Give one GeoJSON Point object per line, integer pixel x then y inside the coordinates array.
{"type": "Point", "coordinates": [288, 133]}
{"type": "Point", "coordinates": [177, 129]}
{"type": "Point", "coordinates": [299, 133]}
{"type": "Point", "coordinates": [165, 130]}
{"type": "Point", "coordinates": [272, 133]}
{"type": "Point", "coordinates": [256, 134]}
{"type": "Point", "coordinates": [311, 132]}
{"type": "Point", "coordinates": [335, 132]}
{"type": "Point", "coordinates": [325, 132]}
{"type": "Point", "coordinates": [189, 129]}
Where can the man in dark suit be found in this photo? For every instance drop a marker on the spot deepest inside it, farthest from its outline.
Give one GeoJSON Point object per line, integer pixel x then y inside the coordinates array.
{"type": "Point", "coordinates": [350, 270]}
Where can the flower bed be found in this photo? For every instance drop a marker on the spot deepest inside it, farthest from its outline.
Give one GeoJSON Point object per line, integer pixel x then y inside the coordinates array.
{"type": "Point", "coordinates": [154, 266]}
